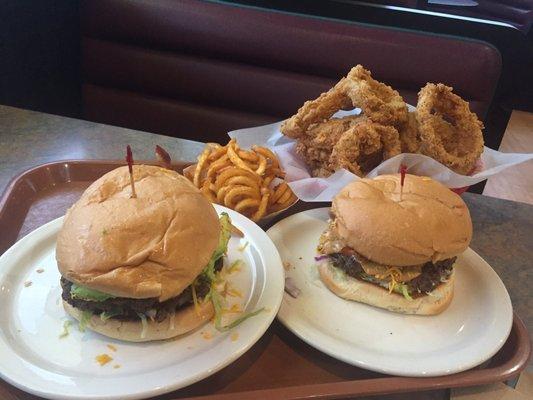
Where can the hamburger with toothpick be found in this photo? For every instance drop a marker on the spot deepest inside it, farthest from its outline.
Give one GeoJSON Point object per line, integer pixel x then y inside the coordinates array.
{"type": "Point", "coordinates": [395, 246]}
{"type": "Point", "coordinates": [139, 255]}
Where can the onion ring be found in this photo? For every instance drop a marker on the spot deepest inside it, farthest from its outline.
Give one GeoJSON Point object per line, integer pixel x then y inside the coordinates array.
{"type": "Point", "coordinates": [449, 132]}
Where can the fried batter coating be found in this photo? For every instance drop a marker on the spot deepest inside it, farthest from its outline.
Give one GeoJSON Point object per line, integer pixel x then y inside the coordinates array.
{"type": "Point", "coordinates": [409, 136]}
{"type": "Point", "coordinates": [354, 143]}
{"type": "Point", "coordinates": [363, 147]}
{"type": "Point", "coordinates": [378, 101]}
{"type": "Point", "coordinates": [315, 111]}
{"type": "Point", "coordinates": [443, 127]}
{"type": "Point", "coordinates": [316, 145]}
{"type": "Point", "coordinates": [449, 132]}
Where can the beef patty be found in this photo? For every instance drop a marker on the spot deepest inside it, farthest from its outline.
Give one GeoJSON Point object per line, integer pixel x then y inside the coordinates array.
{"type": "Point", "coordinates": [433, 274]}
{"type": "Point", "coordinates": [127, 309]}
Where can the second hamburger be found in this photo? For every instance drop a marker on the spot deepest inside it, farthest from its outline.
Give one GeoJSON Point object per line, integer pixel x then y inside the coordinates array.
{"type": "Point", "coordinates": [395, 250]}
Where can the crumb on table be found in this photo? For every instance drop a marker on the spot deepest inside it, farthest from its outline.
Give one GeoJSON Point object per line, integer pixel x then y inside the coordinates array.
{"type": "Point", "coordinates": [111, 347]}
{"type": "Point", "coordinates": [234, 336]}
{"type": "Point", "coordinates": [116, 366]}
{"type": "Point", "coordinates": [28, 283]}
{"type": "Point", "coordinates": [286, 265]}
{"type": "Point", "coordinates": [39, 270]}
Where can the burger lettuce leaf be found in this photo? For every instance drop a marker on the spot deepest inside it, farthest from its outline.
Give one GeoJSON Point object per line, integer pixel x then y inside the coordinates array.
{"type": "Point", "coordinates": [222, 248]}
{"type": "Point", "coordinates": [214, 296]}
{"type": "Point", "coordinates": [405, 291]}
{"type": "Point", "coordinates": [84, 293]}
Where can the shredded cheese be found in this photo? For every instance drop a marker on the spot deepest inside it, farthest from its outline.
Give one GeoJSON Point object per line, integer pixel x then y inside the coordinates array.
{"type": "Point", "coordinates": [234, 309]}
{"type": "Point", "coordinates": [111, 347]}
{"type": "Point", "coordinates": [243, 247]}
{"type": "Point", "coordinates": [234, 336]}
{"type": "Point", "coordinates": [103, 359]}
{"type": "Point", "coordinates": [392, 273]}
{"type": "Point", "coordinates": [235, 266]}
{"type": "Point", "coordinates": [234, 293]}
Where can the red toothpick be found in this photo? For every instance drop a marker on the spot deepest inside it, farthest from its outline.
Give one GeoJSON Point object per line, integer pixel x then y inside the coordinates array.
{"type": "Point", "coordinates": [162, 156]}
{"type": "Point", "coordinates": [403, 171]}
{"type": "Point", "coordinates": [129, 160]}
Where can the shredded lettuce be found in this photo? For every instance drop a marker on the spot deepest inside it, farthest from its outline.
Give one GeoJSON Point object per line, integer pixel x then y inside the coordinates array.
{"type": "Point", "coordinates": [172, 320]}
{"type": "Point", "coordinates": [243, 247]}
{"type": "Point", "coordinates": [84, 320]}
{"type": "Point", "coordinates": [238, 320]}
{"type": "Point", "coordinates": [225, 234]}
{"type": "Point", "coordinates": [214, 296]}
{"type": "Point", "coordinates": [106, 315]}
{"type": "Point", "coordinates": [405, 292]}
{"type": "Point", "coordinates": [84, 293]}
{"type": "Point", "coordinates": [144, 324]}
{"type": "Point", "coordinates": [195, 298]}
{"type": "Point", "coordinates": [235, 266]}
{"type": "Point", "coordinates": [218, 303]}
{"type": "Point", "coordinates": [65, 332]}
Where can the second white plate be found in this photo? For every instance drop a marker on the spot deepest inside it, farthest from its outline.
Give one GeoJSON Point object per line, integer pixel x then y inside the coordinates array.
{"type": "Point", "coordinates": [470, 331]}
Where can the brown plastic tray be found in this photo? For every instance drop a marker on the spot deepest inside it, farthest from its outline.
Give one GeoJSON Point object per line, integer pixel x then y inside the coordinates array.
{"type": "Point", "coordinates": [279, 365]}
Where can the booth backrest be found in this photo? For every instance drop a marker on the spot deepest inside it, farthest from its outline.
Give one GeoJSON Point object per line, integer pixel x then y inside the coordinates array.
{"type": "Point", "coordinates": [197, 69]}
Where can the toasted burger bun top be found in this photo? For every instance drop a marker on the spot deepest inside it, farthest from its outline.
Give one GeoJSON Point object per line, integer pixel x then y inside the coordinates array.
{"type": "Point", "coordinates": [154, 245]}
{"type": "Point", "coordinates": [430, 223]}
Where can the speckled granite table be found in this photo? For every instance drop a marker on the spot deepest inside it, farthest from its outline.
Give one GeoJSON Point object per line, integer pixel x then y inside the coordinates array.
{"type": "Point", "coordinates": [503, 230]}
{"type": "Point", "coordinates": [29, 138]}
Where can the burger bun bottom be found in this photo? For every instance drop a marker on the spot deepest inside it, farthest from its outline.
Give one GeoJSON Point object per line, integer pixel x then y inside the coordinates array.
{"type": "Point", "coordinates": [185, 320]}
{"type": "Point", "coordinates": [350, 288]}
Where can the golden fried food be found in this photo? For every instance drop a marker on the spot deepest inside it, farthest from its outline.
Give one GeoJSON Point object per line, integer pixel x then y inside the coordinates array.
{"type": "Point", "coordinates": [449, 132]}
{"type": "Point", "coordinates": [354, 143]}
{"type": "Point", "coordinates": [409, 136]}
{"type": "Point", "coordinates": [363, 147]}
{"type": "Point", "coordinates": [316, 146]}
{"type": "Point", "coordinates": [317, 110]}
{"type": "Point", "coordinates": [358, 89]}
{"type": "Point", "coordinates": [244, 180]}
{"type": "Point", "coordinates": [379, 102]}
{"type": "Point", "coordinates": [442, 127]}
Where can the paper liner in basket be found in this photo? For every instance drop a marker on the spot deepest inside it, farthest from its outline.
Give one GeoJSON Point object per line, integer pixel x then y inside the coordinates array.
{"type": "Point", "coordinates": [311, 189]}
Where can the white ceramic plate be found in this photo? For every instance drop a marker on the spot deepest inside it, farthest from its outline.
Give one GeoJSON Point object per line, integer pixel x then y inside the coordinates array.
{"type": "Point", "coordinates": [470, 331]}
{"type": "Point", "coordinates": [35, 359]}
